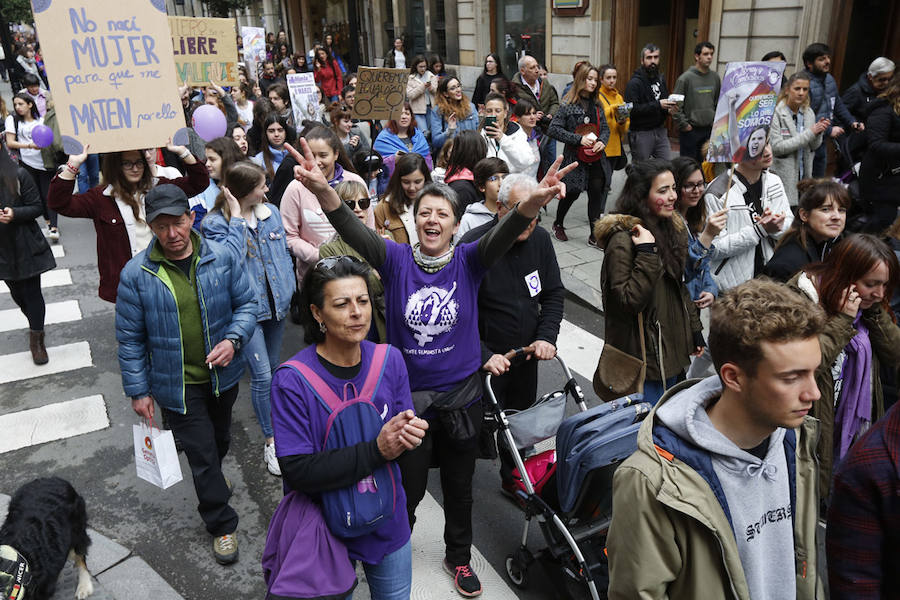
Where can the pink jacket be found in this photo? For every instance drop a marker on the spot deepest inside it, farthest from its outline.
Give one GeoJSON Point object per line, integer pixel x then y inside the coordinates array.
{"type": "Point", "coordinates": [306, 225]}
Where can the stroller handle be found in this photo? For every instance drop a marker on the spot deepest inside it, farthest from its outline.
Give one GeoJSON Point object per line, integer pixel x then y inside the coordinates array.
{"type": "Point", "coordinates": [571, 386]}
{"type": "Point", "coordinates": [519, 353]}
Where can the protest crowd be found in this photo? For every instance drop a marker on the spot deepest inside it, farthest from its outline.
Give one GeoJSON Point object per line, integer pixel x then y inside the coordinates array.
{"type": "Point", "coordinates": [758, 294]}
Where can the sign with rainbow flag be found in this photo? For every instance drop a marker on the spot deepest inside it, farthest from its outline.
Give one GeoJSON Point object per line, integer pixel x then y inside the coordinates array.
{"type": "Point", "coordinates": [746, 105]}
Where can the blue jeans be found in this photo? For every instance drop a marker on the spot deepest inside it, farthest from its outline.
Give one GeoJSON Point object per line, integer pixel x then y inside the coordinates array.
{"type": "Point", "coordinates": [89, 173]}
{"type": "Point", "coordinates": [391, 579]}
{"type": "Point", "coordinates": [653, 390]}
{"type": "Point", "coordinates": [262, 354]}
{"type": "Point", "coordinates": [422, 123]}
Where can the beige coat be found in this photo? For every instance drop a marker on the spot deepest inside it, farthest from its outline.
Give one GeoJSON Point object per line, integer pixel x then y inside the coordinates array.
{"type": "Point", "coordinates": [415, 92]}
{"type": "Point", "coordinates": [786, 142]}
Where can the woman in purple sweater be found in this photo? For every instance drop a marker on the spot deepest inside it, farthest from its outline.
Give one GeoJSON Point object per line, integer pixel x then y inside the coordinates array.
{"type": "Point", "coordinates": [431, 297]}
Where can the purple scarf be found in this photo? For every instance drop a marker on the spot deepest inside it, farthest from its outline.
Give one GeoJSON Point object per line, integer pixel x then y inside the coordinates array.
{"type": "Point", "coordinates": [854, 410]}
{"type": "Point", "coordinates": [338, 175]}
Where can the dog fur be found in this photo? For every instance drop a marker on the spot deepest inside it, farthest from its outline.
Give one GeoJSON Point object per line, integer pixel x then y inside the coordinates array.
{"type": "Point", "coordinates": [47, 523]}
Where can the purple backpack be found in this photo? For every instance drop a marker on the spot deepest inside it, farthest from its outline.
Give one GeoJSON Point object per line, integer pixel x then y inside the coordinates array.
{"type": "Point", "coordinates": [361, 508]}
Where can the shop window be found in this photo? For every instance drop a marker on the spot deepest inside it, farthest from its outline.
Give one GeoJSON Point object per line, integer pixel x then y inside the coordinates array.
{"type": "Point", "coordinates": [521, 29]}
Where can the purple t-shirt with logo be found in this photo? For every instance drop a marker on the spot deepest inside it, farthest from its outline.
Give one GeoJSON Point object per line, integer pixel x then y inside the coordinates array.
{"type": "Point", "coordinates": [433, 317]}
{"type": "Point", "coordinates": [299, 421]}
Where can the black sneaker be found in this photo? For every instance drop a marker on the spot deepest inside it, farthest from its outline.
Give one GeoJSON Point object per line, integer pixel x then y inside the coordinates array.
{"type": "Point", "coordinates": [592, 241]}
{"type": "Point", "coordinates": [465, 579]}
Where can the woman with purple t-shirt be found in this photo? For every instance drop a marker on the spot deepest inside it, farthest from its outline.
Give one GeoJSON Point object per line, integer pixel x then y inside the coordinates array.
{"type": "Point", "coordinates": [431, 298]}
{"type": "Point", "coordinates": [336, 310]}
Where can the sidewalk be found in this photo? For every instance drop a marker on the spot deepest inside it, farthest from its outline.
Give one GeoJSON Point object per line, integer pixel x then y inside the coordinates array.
{"type": "Point", "coordinates": [117, 573]}
{"type": "Point", "coordinates": [579, 263]}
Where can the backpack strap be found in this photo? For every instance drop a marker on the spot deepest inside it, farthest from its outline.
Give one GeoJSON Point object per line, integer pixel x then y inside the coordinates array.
{"type": "Point", "coordinates": [376, 370]}
{"type": "Point", "coordinates": [321, 389]}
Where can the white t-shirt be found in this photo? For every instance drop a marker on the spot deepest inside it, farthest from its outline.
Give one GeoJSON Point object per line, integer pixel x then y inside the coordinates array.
{"type": "Point", "coordinates": [30, 156]}
{"type": "Point", "coordinates": [399, 60]}
{"type": "Point", "coordinates": [245, 114]}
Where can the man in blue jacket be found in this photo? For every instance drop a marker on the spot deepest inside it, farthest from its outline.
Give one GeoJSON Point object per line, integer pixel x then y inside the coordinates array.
{"type": "Point", "coordinates": [825, 100]}
{"type": "Point", "coordinates": [184, 308]}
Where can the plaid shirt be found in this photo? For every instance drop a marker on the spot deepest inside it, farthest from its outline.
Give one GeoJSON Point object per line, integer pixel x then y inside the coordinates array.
{"type": "Point", "coordinates": [863, 537]}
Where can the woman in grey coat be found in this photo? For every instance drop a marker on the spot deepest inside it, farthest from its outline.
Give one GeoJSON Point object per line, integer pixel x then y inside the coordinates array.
{"type": "Point", "coordinates": [795, 134]}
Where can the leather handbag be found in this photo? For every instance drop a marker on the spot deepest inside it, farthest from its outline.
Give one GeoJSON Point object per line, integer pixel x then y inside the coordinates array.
{"type": "Point", "coordinates": [618, 373]}
{"type": "Point", "coordinates": [587, 154]}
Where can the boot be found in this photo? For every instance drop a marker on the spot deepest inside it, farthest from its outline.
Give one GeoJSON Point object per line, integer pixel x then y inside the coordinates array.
{"type": "Point", "coordinates": [38, 350]}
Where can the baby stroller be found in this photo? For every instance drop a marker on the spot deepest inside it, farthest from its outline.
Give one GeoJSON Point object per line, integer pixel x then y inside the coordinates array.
{"type": "Point", "coordinates": [567, 490]}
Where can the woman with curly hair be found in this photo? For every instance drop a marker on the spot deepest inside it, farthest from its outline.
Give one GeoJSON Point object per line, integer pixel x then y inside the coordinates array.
{"type": "Point", "coordinates": [642, 278]}
{"type": "Point", "coordinates": [452, 113]}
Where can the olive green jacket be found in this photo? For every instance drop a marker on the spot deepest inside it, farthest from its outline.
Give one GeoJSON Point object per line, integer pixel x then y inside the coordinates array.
{"type": "Point", "coordinates": [634, 283]}
{"type": "Point", "coordinates": [670, 537]}
{"type": "Point", "coordinates": [884, 335]}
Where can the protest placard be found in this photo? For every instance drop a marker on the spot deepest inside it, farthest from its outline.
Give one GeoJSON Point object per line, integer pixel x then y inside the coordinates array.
{"type": "Point", "coordinates": [205, 50]}
{"type": "Point", "coordinates": [254, 39]}
{"type": "Point", "coordinates": [380, 93]}
{"type": "Point", "coordinates": [744, 112]}
{"type": "Point", "coordinates": [304, 96]}
{"type": "Point", "coordinates": [111, 71]}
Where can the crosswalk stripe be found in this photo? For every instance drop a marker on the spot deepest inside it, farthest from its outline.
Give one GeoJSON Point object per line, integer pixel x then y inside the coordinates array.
{"type": "Point", "coordinates": [58, 251]}
{"type": "Point", "coordinates": [68, 357]}
{"type": "Point", "coordinates": [578, 348]}
{"type": "Point", "coordinates": [52, 422]}
{"type": "Point", "coordinates": [54, 278]}
{"type": "Point", "coordinates": [57, 312]}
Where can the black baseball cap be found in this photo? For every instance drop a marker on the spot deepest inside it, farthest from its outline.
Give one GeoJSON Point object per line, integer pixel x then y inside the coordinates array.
{"type": "Point", "coordinates": [166, 199]}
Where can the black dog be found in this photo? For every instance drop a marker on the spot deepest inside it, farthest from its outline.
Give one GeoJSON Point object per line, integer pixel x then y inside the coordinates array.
{"type": "Point", "coordinates": [47, 521]}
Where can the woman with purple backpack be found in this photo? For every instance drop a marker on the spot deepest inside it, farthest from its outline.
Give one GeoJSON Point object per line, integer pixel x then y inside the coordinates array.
{"type": "Point", "coordinates": [322, 458]}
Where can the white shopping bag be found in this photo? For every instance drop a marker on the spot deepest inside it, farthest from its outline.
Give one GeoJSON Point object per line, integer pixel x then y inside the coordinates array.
{"type": "Point", "coordinates": [155, 455]}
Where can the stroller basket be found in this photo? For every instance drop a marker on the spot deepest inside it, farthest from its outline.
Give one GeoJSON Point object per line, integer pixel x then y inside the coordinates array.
{"type": "Point", "coordinates": [538, 422]}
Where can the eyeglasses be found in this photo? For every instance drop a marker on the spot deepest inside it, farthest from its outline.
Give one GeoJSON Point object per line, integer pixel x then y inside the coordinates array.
{"type": "Point", "coordinates": [453, 88]}
{"type": "Point", "coordinates": [330, 262]}
{"type": "Point", "coordinates": [494, 178]}
{"type": "Point", "coordinates": [363, 203]}
{"type": "Point", "coordinates": [693, 187]}
{"type": "Point", "coordinates": [132, 165]}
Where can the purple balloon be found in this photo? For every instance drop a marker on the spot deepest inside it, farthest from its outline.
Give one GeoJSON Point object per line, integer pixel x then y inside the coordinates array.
{"type": "Point", "coordinates": [42, 136]}
{"type": "Point", "coordinates": [209, 122]}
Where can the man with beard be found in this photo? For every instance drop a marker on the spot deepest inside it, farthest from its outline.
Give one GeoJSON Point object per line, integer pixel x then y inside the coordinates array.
{"type": "Point", "coordinates": [647, 90]}
{"type": "Point", "coordinates": [825, 101]}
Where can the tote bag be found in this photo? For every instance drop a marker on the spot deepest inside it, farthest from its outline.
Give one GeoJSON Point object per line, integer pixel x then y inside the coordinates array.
{"type": "Point", "coordinates": [155, 455]}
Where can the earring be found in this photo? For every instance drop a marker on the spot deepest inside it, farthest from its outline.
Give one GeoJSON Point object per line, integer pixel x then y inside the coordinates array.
{"type": "Point", "coordinates": [322, 326]}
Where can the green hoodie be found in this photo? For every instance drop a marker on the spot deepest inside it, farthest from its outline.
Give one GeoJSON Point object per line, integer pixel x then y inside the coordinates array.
{"type": "Point", "coordinates": [701, 94]}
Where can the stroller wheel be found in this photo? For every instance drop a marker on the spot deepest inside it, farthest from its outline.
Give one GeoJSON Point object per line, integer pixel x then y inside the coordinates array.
{"type": "Point", "coordinates": [516, 571]}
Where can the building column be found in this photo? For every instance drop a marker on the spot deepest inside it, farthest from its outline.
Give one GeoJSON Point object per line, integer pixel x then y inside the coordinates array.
{"type": "Point", "coordinates": [270, 16]}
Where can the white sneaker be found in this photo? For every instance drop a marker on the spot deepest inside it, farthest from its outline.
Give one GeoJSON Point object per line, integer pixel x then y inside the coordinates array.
{"type": "Point", "coordinates": [271, 460]}
{"type": "Point", "coordinates": [53, 234]}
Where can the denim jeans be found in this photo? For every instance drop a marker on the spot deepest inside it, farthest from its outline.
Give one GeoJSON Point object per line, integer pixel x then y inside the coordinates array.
{"type": "Point", "coordinates": [391, 579]}
{"type": "Point", "coordinates": [89, 173]}
{"type": "Point", "coordinates": [653, 390]}
{"type": "Point", "coordinates": [422, 123]}
{"type": "Point", "coordinates": [262, 353]}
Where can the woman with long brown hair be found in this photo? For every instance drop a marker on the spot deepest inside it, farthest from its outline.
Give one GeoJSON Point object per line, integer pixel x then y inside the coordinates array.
{"type": "Point", "coordinates": [117, 205]}
{"type": "Point", "coordinates": [581, 125]}
{"type": "Point", "coordinates": [452, 113]}
{"type": "Point", "coordinates": [853, 284]}
{"type": "Point", "coordinates": [393, 215]}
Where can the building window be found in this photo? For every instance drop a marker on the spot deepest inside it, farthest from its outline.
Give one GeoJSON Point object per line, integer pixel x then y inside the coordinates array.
{"type": "Point", "coordinates": [521, 29]}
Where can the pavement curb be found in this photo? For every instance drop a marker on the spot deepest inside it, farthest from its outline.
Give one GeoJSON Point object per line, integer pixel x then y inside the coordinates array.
{"type": "Point", "coordinates": [118, 574]}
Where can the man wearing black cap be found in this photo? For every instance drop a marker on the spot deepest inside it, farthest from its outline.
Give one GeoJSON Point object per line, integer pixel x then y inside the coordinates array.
{"type": "Point", "coordinates": [184, 308]}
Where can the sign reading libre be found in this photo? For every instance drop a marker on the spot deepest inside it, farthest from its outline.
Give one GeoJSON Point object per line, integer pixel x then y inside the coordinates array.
{"type": "Point", "coordinates": [111, 72]}
{"type": "Point", "coordinates": [380, 93]}
{"type": "Point", "coordinates": [205, 50]}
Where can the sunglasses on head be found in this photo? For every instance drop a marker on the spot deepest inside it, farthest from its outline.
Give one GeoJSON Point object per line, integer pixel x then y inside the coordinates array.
{"type": "Point", "coordinates": [363, 203]}
{"type": "Point", "coordinates": [330, 262]}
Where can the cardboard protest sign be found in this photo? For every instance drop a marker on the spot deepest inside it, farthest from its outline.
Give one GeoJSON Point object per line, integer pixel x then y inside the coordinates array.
{"type": "Point", "coordinates": [111, 71]}
{"type": "Point", "coordinates": [304, 96]}
{"type": "Point", "coordinates": [254, 39]}
{"type": "Point", "coordinates": [205, 50]}
{"type": "Point", "coordinates": [380, 93]}
{"type": "Point", "coordinates": [744, 112]}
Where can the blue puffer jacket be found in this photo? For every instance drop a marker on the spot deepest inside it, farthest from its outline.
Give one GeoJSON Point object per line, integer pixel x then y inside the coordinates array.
{"type": "Point", "coordinates": [149, 331]}
{"type": "Point", "coordinates": [267, 258]}
{"type": "Point", "coordinates": [821, 90]}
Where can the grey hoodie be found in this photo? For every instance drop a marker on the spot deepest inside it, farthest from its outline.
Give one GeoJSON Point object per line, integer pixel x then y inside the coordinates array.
{"type": "Point", "coordinates": [757, 491]}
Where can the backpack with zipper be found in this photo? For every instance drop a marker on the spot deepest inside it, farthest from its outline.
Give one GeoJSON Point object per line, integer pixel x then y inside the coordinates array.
{"type": "Point", "coordinates": [363, 507]}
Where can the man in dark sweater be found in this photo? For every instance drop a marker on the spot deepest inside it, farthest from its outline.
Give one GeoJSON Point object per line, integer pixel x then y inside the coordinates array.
{"type": "Point", "coordinates": [520, 303]}
{"type": "Point", "coordinates": [700, 86]}
{"type": "Point", "coordinates": [647, 90]}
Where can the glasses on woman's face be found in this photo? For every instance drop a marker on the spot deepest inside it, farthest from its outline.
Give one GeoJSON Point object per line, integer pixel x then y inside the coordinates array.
{"type": "Point", "coordinates": [364, 203]}
{"type": "Point", "coordinates": [693, 187]}
{"type": "Point", "coordinates": [494, 178]}
{"type": "Point", "coordinates": [454, 87]}
{"type": "Point", "coordinates": [129, 165]}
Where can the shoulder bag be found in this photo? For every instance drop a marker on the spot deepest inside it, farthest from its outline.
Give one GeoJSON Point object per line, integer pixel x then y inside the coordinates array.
{"type": "Point", "coordinates": [618, 373]}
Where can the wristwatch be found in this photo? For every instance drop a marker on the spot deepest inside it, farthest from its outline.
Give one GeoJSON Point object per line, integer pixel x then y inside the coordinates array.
{"type": "Point", "coordinates": [236, 342]}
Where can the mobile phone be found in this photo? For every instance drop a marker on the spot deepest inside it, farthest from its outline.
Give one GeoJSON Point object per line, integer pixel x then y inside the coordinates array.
{"type": "Point", "coordinates": [490, 121]}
